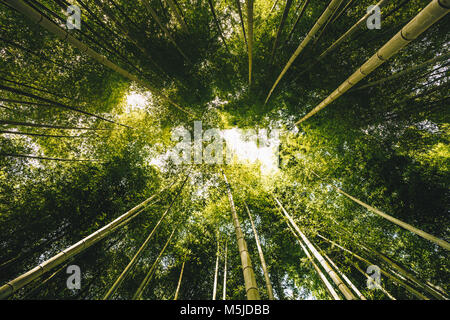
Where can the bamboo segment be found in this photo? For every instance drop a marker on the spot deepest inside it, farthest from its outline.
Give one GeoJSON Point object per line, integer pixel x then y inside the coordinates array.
{"type": "Point", "coordinates": [261, 256]}
{"type": "Point", "coordinates": [302, 11]}
{"type": "Point", "coordinates": [177, 15]}
{"type": "Point", "coordinates": [151, 272]}
{"type": "Point", "coordinates": [144, 245]}
{"type": "Point", "coordinates": [37, 18]}
{"type": "Point", "coordinates": [398, 222]}
{"type": "Point", "coordinates": [323, 18]}
{"type": "Point", "coordinates": [333, 275]}
{"type": "Point", "coordinates": [393, 278]}
{"type": "Point", "coordinates": [179, 280]}
{"type": "Point", "coordinates": [280, 28]}
{"type": "Point", "coordinates": [250, 39]}
{"type": "Point", "coordinates": [238, 5]}
{"type": "Point", "coordinates": [216, 272]}
{"type": "Point", "coordinates": [219, 28]}
{"type": "Point", "coordinates": [378, 287]}
{"type": "Point", "coordinates": [328, 285]}
{"type": "Point", "coordinates": [22, 280]}
{"type": "Point", "coordinates": [346, 279]}
{"type": "Point", "coordinates": [402, 73]}
{"type": "Point", "coordinates": [349, 32]}
{"type": "Point", "coordinates": [224, 295]}
{"type": "Point", "coordinates": [249, 275]}
{"type": "Point", "coordinates": [432, 13]}
{"type": "Point", "coordinates": [166, 31]}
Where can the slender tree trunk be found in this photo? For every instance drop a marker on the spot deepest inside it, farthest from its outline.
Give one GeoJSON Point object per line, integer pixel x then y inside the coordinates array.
{"type": "Point", "coordinates": [219, 28]}
{"type": "Point", "coordinates": [432, 13]}
{"type": "Point", "coordinates": [322, 277]}
{"type": "Point", "coordinates": [346, 279]}
{"type": "Point", "coordinates": [368, 277]}
{"type": "Point", "coordinates": [216, 273]}
{"type": "Point", "coordinates": [280, 28]}
{"type": "Point", "coordinates": [393, 278]}
{"type": "Point", "coordinates": [333, 275]}
{"type": "Point", "coordinates": [179, 280]}
{"type": "Point", "coordinates": [38, 134]}
{"type": "Point", "coordinates": [224, 296]}
{"type": "Point", "coordinates": [166, 31]}
{"type": "Point", "coordinates": [261, 256]}
{"type": "Point", "coordinates": [404, 72]}
{"type": "Point", "coordinates": [151, 272]}
{"type": "Point", "coordinates": [22, 280]}
{"type": "Point", "coordinates": [302, 11]}
{"type": "Point", "coordinates": [250, 39]}
{"type": "Point", "coordinates": [273, 7]}
{"type": "Point", "coordinates": [144, 245]}
{"type": "Point", "coordinates": [251, 288]}
{"type": "Point", "coordinates": [318, 36]}
{"type": "Point", "coordinates": [238, 5]}
{"type": "Point", "coordinates": [37, 125]}
{"type": "Point", "coordinates": [342, 11]}
{"type": "Point", "coordinates": [55, 103]}
{"type": "Point", "coordinates": [323, 18]}
{"type": "Point", "coordinates": [37, 18]}
{"type": "Point", "coordinates": [177, 15]}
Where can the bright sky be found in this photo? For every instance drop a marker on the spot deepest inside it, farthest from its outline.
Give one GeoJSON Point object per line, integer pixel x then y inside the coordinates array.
{"type": "Point", "coordinates": [244, 149]}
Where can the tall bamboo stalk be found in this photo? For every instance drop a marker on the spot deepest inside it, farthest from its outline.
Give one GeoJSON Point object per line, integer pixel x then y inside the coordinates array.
{"type": "Point", "coordinates": [404, 72]}
{"type": "Point", "coordinates": [178, 16]}
{"type": "Point", "coordinates": [302, 11]}
{"type": "Point", "coordinates": [390, 296]}
{"type": "Point", "coordinates": [251, 287]}
{"type": "Point", "coordinates": [144, 245]}
{"type": "Point", "coordinates": [261, 256]}
{"type": "Point", "coordinates": [390, 276]}
{"type": "Point", "coordinates": [322, 277]}
{"type": "Point", "coordinates": [280, 28]}
{"type": "Point", "coordinates": [22, 280]}
{"type": "Point", "coordinates": [323, 18]}
{"type": "Point", "coordinates": [138, 294]}
{"type": "Point", "coordinates": [224, 295]}
{"type": "Point", "coordinates": [179, 280]}
{"type": "Point", "coordinates": [163, 28]}
{"type": "Point", "coordinates": [346, 279]}
{"type": "Point", "coordinates": [333, 275]}
{"type": "Point", "coordinates": [238, 5]}
{"type": "Point", "coordinates": [37, 18]}
{"type": "Point", "coordinates": [250, 39]}
{"type": "Point", "coordinates": [432, 13]}
{"type": "Point", "coordinates": [219, 28]}
{"type": "Point", "coordinates": [216, 273]}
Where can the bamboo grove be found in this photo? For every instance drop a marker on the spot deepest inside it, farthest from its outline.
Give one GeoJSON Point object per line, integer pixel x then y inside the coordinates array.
{"type": "Point", "coordinates": [87, 117]}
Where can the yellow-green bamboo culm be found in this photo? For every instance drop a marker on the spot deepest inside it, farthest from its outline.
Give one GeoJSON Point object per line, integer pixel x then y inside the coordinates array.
{"type": "Point", "coordinates": [22, 280]}
{"type": "Point", "coordinates": [322, 277]}
{"type": "Point", "coordinates": [432, 13]}
{"type": "Point", "coordinates": [321, 21]}
{"type": "Point", "coordinates": [138, 294]}
{"type": "Point", "coordinates": [250, 39]}
{"type": "Point", "coordinates": [179, 280]}
{"type": "Point", "coordinates": [251, 288]}
{"type": "Point", "coordinates": [333, 275]}
{"type": "Point", "coordinates": [261, 256]}
{"type": "Point", "coordinates": [37, 18]}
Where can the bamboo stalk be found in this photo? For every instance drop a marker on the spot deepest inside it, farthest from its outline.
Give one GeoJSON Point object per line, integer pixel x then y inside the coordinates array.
{"type": "Point", "coordinates": [251, 287]}
{"type": "Point", "coordinates": [151, 272]}
{"type": "Point", "coordinates": [166, 31]}
{"type": "Point", "coordinates": [250, 39]}
{"type": "Point", "coordinates": [216, 270]}
{"type": "Point", "coordinates": [333, 275]}
{"type": "Point", "coordinates": [224, 295]}
{"type": "Point", "coordinates": [179, 280]}
{"type": "Point", "coordinates": [238, 5]}
{"type": "Point", "coordinates": [322, 277]}
{"type": "Point", "coordinates": [177, 15]}
{"type": "Point", "coordinates": [37, 18]}
{"type": "Point", "coordinates": [432, 13]}
{"type": "Point", "coordinates": [302, 11]}
{"type": "Point", "coordinates": [323, 18]}
{"type": "Point", "coordinates": [280, 28]}
{"type": "Point", "coordinates": [261, 255]}
{"type": "Point", "coordinates": [22, 280]}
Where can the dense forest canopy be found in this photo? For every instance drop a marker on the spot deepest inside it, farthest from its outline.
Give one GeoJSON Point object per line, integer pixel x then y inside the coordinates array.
{"type": "Point", "coordinates": [90, 118]}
